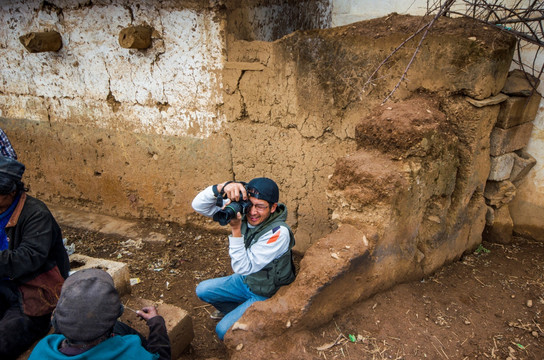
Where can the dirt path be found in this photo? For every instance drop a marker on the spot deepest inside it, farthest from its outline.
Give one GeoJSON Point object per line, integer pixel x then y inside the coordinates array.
{"type": "Point", "coordinates": [486, 306]}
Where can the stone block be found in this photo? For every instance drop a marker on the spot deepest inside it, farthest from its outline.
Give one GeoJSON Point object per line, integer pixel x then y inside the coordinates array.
{"type": "Point", "coordinates": [502, 228]}
{"type": "Point", "coordinates": [517, 110]}
{"type": "Point", "coordinates": [523, 163]}
{"type": "Point", "coordinates": [501, 167]}
{"type": "Point", "coordinates": [507, 140]}
{"type": "Point", "coordinates": [178, 322]}
{"type": "Point", "coordinates": [520, 83]}
{"type": "Point", "coordinates": [119, 271]}
{"type": "Point", "coordinates": [499, 193]}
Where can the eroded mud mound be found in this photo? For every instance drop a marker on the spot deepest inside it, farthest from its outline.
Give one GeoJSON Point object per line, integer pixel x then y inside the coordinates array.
{"type": "Point", "coordinates": [402, 129]}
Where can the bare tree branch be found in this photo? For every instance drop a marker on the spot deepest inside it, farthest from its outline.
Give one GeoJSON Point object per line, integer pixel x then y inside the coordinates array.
{"type": "Point", "coordinates": [442, 10]}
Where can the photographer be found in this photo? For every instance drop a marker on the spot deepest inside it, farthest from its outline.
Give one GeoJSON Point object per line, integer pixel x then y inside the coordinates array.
{"type": "Point", "coordinates": [259, 246]}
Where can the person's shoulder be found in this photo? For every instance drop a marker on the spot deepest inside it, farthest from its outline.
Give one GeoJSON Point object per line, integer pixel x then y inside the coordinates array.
{"type": "Point", "coordinates": [34, 202]}
{"type": "Point", "coordinates": [46, 347]}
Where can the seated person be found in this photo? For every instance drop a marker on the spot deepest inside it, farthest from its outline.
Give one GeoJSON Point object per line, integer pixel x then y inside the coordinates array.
{"type": "Point", "coordinates": [86, 325]}
{"type": "Point", "coordinates": [33, 263]}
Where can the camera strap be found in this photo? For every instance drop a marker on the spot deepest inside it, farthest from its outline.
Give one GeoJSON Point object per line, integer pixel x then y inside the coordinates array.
{"type": "Point", "coordinates": [220, 195]}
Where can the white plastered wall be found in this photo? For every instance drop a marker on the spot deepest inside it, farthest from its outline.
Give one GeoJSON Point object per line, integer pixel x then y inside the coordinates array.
{"type": "Point", "coordinates": [173, 88]}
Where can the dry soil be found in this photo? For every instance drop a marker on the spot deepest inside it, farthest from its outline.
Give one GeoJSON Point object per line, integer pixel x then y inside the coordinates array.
{"type": "Point", "coordinates": [488, 305]}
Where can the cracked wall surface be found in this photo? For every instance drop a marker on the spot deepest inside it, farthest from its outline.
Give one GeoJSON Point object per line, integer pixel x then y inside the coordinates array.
{"type": "Point", "coordinates": [137, 133]}
{"type": "Point", "coordinates": [171, 89]}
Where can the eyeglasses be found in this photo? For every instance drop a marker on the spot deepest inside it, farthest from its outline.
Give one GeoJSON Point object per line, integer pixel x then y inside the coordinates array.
{"type": "Point", "coordinates": [260, 207]}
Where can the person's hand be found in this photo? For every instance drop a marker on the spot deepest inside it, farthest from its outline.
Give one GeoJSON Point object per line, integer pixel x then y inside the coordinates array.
{"type": "Point", "coordinates": [236, 225]}
{"type": "Point", "coordinates": [235, 191]}
{"type": "Point", "coordinates": [147, 312]}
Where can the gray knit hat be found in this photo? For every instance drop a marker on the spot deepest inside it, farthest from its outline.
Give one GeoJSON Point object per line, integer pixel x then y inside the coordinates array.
{"type": "Point", "coordinates": [88, 305]}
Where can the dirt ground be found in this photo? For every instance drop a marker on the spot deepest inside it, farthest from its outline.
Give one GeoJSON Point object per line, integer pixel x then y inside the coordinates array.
{"type": "Point", "coordinates": [488, 305]}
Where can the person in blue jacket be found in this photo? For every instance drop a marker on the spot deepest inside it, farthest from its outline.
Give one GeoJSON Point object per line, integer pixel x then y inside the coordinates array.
{"type": "Point", "coordinates": [86, 325]}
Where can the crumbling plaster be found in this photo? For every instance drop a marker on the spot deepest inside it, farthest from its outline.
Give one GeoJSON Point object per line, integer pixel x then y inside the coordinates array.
{"type": "Point", "coordinates": [171, 89]}
{"type": "Point", "coordinates": [139, 132]}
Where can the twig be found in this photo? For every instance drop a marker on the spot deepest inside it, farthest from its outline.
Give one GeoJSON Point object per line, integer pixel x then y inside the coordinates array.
{"type": "Point", "coordinates": [201, 306]}
{"type": "Point", "coordinates": [389, 57]}
{"type": "Point", "coordinates": [447, 5]}
{"type": "Point", "coordinates": [478, 280]}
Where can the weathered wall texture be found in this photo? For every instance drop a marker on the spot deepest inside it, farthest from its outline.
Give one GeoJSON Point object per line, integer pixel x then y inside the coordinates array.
{"type": "Point", "coordinates": [269, 20]}
{"type": "Point", "coordinates": [137, 133]}
{"type": "Point", "coordinates": [407, 184]}
{"type": "Point", "coordinates": [527, 207]}
{"type": "Point", "coordinates": [169, 89]}
{"type": "Point", "coordinates": [110, 129]}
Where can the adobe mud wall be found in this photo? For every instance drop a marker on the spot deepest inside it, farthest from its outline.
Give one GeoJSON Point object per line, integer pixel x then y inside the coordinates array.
{"type": "Point", "coordinates": [407, 184]}
{"type": "Point", "coordinates": [127, 132]}
{"type": "Point", "coordinates": [376, 194]}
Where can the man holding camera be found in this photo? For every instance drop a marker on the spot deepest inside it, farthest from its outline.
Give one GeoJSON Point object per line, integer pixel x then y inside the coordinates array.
{"type": "Point", "coordinates": [259, 246]}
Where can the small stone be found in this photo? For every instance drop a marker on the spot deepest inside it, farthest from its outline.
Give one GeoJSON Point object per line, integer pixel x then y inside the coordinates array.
{"type": "Point", "coordinates": [529, 303]}
{"type": "Point", "coordinates": [239, 347]}
{"type": "Point", "coordinates": [535, 334]}
{"type": "Point", "coordinates": [513, 296]}
{"type": "Point", "coordinates": [467, 322]}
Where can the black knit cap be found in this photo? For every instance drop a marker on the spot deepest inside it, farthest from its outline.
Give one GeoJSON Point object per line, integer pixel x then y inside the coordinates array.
{"type": "Point", "coordinates": [88, 306]}
{"type": "Point", "coordinates": [264, 189]}
{"type": "Point", "coordinates": [11, 168]}
{"type": "Point", "coordinates": [11, 172]}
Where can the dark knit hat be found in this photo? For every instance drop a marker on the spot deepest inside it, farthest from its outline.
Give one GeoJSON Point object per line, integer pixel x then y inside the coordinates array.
{"type": "Point", "coordinates": [88, 305]}
{"type": "Point", "coordinates": [11, 168]}
{"type": "Point", "coordinates": [264, 189]}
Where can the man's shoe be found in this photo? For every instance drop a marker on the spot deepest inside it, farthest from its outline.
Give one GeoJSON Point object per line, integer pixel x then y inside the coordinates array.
{"type": "Point", "coordinates": [217, 315]}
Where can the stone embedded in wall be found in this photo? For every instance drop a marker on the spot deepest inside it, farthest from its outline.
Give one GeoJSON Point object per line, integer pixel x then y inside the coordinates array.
{"type": "Point", "coordinates": [36, 42]}
{"type": "Point", "coordinates": [136, 37]}
{"type": "Point", "coordinates": [499, 193]}
{"type": "Point", "coordinates": [503, 141]}
{"type": "Point", "coordinates": [493, 100]}
{"type": "Point", "coordinates": [523, 163]}
{"type": "Point", "coordinates": [501, 230]}
{"type": "Point", "coordinates": [517, 110]}
{"type": "Point", "coordinates": [501, 167]}
{"type": "Point", "coordinates": [520, 83]}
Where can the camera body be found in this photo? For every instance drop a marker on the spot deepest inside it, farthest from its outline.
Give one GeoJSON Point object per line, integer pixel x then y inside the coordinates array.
{"type": "Point", "coordinates": [225, 215]}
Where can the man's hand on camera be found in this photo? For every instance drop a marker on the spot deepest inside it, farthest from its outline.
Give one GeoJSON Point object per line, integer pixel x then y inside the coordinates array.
{"type": "Point", "coordinates": [235, 191]}
{"type": "Point", "coordinates": [236, 225]}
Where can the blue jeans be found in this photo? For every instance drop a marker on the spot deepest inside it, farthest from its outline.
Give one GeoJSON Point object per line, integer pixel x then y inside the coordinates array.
{"type": "Point", "coordinates": [230, 295]}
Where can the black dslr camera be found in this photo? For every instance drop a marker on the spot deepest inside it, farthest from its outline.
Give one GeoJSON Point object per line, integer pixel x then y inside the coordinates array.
{"type": "Point", "coordinates": [225, 215]}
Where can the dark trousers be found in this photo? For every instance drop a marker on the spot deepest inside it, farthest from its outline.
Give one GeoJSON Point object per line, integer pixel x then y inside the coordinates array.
{"type": "Point", "coordinates": [18, 331]}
